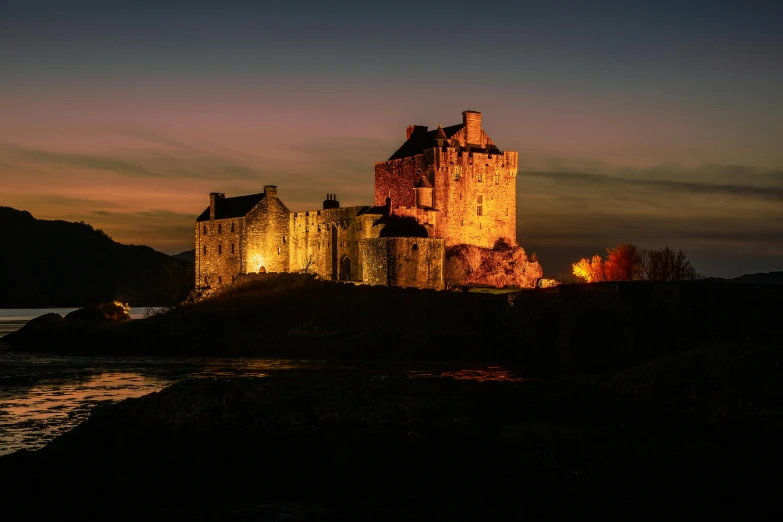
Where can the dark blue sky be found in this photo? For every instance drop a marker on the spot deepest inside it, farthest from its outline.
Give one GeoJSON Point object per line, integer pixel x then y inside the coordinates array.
{"type": "Point", "coordinates": [655, 123]}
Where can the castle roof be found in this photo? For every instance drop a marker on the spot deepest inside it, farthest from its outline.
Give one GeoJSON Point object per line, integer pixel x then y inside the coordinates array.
{"type": "Point", "coordinates": [232, 207]}
{"type": "Point", "coordinates": [440, 134]}
{"type": "Point", "coordinates": [422, 139]}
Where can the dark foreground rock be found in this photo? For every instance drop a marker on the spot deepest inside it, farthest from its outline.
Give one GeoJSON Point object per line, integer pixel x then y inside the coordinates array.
{"type": "Point", "coordinates": [567, 329]}
{"type": "Point", "coordinates": [360, 445]}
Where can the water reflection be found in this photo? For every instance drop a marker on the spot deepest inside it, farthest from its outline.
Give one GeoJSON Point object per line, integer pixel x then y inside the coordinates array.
{"type": "Point", "coordinates": [43, 396]}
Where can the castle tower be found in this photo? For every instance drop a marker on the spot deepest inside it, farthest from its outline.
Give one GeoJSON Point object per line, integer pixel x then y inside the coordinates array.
{"type": "Point", "coordinates": [455, 180]}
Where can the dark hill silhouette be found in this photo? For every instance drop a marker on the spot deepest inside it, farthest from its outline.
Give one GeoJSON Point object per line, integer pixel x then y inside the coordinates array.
{"type": "Point", "coordinates": [59, 263]}
{"type": "Point", "coordinates": [187, 255]}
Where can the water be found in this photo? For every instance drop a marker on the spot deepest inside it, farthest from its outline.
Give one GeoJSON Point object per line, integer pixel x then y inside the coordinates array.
{"type": "Point", "coordinates": [43, 396]}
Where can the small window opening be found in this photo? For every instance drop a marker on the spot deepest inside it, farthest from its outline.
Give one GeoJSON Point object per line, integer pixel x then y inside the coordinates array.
{"type": "Point", "coordinates": [220, 249]}
{"type": "Point", "coordinates": [278, 250]}
{"type": "Point", "coordinates": [205, 249]}
{"type": "Point", "coordinates": [220, 280]}
{"type": "Point", "coordinates": [205, 229]}
{"type": "Point", "coordinates": [479, 211]}
{"type": "Point", "coordinates": [415, 247]}
{"type": "Point", "coordinates": [497, 178]}
{"type": "Point", "coordinates": [232, 227]}
{"type": "Point", "coordinates": [479, 176]}
{"type": "Point", "coordinates": [220, 228]}
{"type": "Point", "coordinates": [232, 248]}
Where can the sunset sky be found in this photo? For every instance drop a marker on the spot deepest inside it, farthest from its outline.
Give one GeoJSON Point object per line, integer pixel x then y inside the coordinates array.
{"type": "Point", "coordinates": [656, 124]}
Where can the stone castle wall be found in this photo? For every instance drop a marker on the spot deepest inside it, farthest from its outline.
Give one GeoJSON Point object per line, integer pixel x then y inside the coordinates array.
{"type": "Point", "coordinates": [403, 261]}
{"type": "Point", "coordinates": [265, 236]}
{"type": "Point", "coordinates": [218, 251]}
{"type": "Point", "coordinates": [328, 241]}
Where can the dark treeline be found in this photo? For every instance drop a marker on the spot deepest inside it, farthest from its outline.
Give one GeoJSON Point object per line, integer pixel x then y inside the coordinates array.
{"type": "Point", "coordinates": [588, 327]}
{"type": "Point", "coordinates": [58, 263]}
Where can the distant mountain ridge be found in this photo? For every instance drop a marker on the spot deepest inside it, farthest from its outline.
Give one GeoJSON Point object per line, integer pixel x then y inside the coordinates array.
{"type": "Point", "coordinates": [187, 255]}
{"type": "Point", "coordinates": [61, 263]}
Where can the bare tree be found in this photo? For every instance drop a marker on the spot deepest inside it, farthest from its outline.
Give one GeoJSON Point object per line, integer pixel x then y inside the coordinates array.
{"type": "Point", "coordinates": [473, 259]}
{"type": "Point", "coordinates": [308, 262]}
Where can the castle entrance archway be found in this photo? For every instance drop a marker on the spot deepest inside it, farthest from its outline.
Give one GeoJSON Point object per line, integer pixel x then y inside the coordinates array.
{"type": "Point", "coordinates": [345, 268]}
{"type": "Point", "coordinates": [262, 270]}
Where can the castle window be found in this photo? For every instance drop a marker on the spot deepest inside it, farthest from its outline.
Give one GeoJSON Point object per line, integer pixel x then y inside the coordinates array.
{"type": "Point", "coordinates": [507, 211]}
{"type": "Point", "coordinates": [205, 229]}
{"type": "Point", "coordinates": [232, 227]}
{"type": "Point", "coordinates": [232, 248]}
{"type": "Point", "coordinates": [478, 210]}
{"type": "Point", "coordinates": [479, 176]}
{"type": "Point", "coordinates": [220, 249]}
{"type": "Point", "coordinates": [283, 238]}
{"type": "Point", "coordinates": [220, 280]}
{"type": "Point", "coordinates": [479, 199]}
{"type": "Point", "coordinates": [415, 247]}
{"type": "Point", "coordinates": [205, 249]}
{"type": "Point", "coordinates": [497, 178]}
{"type": "Point", "coordinates": [220, 228]}
{"type": "Point", "coordinates": [457, 172]}
{"type": "Point", "coordinates": [307, 228]}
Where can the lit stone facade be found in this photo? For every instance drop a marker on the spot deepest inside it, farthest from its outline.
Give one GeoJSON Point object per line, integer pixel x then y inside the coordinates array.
{"type": "Point", "coordinates": [473, 183]}
{"type": "Point", "coordinates": [453, 183]}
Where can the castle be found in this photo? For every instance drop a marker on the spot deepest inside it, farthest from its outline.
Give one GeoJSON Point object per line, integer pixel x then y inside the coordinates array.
{"type": "Point", "coordinates": [441, 188]}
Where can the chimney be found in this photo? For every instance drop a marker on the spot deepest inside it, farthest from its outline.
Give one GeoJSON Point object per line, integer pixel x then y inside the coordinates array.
{"type": "Point", "coordinates": [214, 197]}
{"type": "Point", "coordinates": [472, 122]}
{"type": "Point", "coordinates": [410, 129]}
{"type": "Point", "coordinates": [270, 191]}
{"type": "Point", "coordinates": [331, 202]}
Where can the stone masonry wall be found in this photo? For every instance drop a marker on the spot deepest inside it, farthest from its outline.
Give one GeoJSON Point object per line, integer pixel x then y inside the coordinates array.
{"type": "Point", "coordinates": [327, 241]}
{"type": "Point", "coordinates": [218, 252]}
{"type": "Point", "coordinates": [265, 237]}
{"type": "Point", "coordinates": [403, 261]}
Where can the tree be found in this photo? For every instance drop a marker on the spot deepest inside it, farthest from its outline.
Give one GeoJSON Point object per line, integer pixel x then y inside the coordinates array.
{"type": "Point", "coordinates": [666, 265]}
{"type": "Point", "coordinates": [591, 270]}
{"type": "Point", "coordinates": [472, 256]}
{"type": "Point", "coordinates": [628, 262]}
{"type": "Point", "coordinates": [622, 263]}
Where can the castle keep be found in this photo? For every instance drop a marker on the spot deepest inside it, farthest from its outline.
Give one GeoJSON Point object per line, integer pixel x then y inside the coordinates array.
{"type": "Point", "coordinates": [441, 188]}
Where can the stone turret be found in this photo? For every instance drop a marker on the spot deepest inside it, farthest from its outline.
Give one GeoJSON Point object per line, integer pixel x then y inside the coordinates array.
{"type": "Point", "coordinates": [472, 122]}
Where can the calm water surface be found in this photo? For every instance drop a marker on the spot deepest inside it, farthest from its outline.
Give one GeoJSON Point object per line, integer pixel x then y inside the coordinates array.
{"type": "Point", "coordinates": [43, 396]}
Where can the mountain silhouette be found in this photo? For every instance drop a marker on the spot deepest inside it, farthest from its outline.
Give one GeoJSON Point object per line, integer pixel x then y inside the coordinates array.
{"type": "Point", "coordinates": [60, 263]}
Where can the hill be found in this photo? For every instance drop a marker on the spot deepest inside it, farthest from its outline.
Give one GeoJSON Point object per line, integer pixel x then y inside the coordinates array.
{"type": "Point", "coordinates": [187, 255]}
{"type": "Point", "coordinates": [59, 263]}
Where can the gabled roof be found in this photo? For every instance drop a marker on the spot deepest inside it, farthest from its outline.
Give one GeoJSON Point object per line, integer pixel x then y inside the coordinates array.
{"type": "Point", "coordinates": [232, 207]}
{"type": "Point", "coordinates": [422, 139]}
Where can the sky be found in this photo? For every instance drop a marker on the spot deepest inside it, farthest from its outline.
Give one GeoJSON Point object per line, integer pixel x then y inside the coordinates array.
{"type": "Point", "coordinates": [655, 123]}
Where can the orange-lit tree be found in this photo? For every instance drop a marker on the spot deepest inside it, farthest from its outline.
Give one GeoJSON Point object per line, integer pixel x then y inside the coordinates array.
{"type": "Point", "coordinates": [627, 262]}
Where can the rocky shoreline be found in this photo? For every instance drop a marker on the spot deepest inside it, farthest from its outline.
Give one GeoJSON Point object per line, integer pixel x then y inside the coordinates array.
{"type": "Point", "coordinates": [360, 445]}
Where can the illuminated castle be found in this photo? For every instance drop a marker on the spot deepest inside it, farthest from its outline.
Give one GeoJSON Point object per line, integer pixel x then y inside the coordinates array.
{"type": "Point", "coordinates": [441, 188]}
